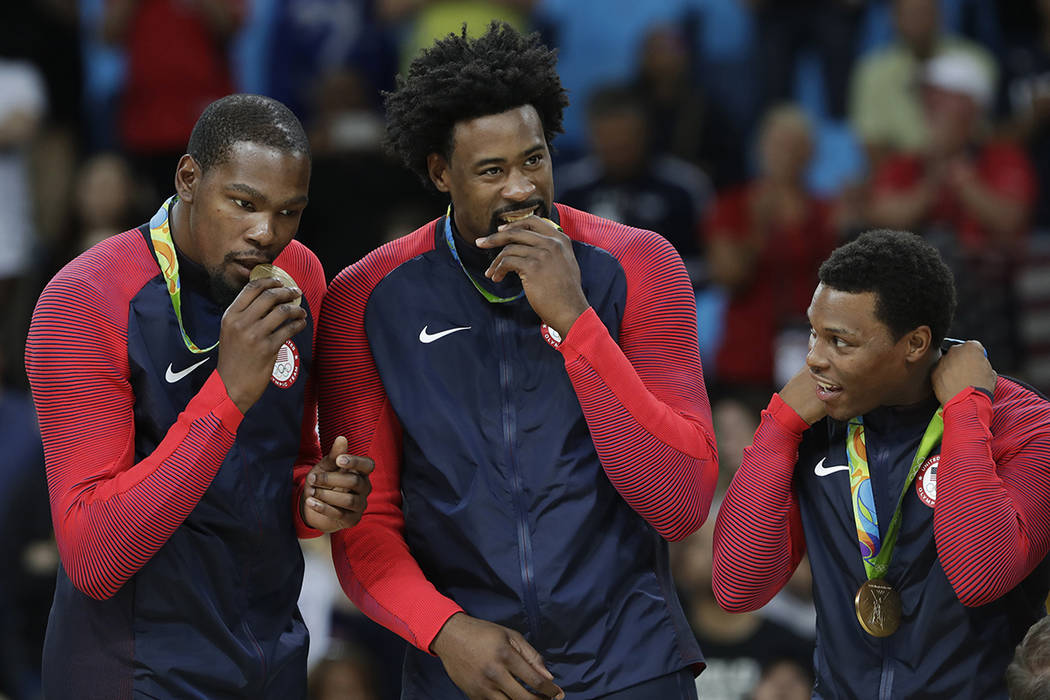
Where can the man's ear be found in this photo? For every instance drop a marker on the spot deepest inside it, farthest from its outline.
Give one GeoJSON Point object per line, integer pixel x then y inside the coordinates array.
{"type": "Point", "coordinates": [437, 168]}
{"type": "Point", "coordinates": [187, 177]}
{"type": "Point", "coordinates": [918, 343]}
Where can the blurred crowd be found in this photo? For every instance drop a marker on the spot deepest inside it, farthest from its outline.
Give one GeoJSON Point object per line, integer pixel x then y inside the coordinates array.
{"type": "Point", "coordinates": [755, 135]}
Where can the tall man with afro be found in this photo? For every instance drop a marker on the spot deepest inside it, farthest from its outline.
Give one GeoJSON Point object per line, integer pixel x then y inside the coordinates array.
{"type": "Point", "coordinates": [917, 480]}
{"type": "Point", "coordinates": [527, 379]}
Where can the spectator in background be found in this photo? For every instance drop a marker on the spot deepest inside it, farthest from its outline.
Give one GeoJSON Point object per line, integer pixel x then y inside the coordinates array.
{"type": "Point", "coordinates": [177, 64]}
{"type": "Point", "coordinates": [765, 241]}
{"type": "Point", "coordinates": [598, 43]}
{"type": "Point", "coordinates": [737, 647]}
{"type": "Point", "coordinates": [310, 40]}
{"type": "Point", "coordinates": [27, 551]}
{"type": "Point", "coordinates": [786, 27]}
{"type": "Point", "coordinates": [626, 181]}
{"type": "Point", "coordinates": [23, 108]}
{"type": "Point", "coordinates": [675, 109]}
{"type": "Point", "coordinates": [345, 140]}
{"type": "Point", "coordinates": [428, 20]}
{"type": "Point", "coordinates": [107, 200]}
{"type": "Point", "coordinates": [970, 195]}
{"type": "Point", "coordinates": [1028, 675]}
{"type": "Point", "coordinates": [1024, 103]}
{"type": "Point", "coordinates": [885, 103]}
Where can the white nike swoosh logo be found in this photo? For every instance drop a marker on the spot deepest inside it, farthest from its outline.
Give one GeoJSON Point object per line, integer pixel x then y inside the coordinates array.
{"type": "Point", "coordinates": [173, 377]}
{"type": "Point", "coordinates": [821, 470]}
{"type": "Point", "coordinates": [425, 337]}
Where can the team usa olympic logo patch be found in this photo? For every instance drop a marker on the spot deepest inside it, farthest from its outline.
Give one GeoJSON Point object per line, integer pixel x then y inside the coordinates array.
{"type": "Point", "coordinates": [286, 368]}
{"type": "Point", "coordinates": [926, 481]}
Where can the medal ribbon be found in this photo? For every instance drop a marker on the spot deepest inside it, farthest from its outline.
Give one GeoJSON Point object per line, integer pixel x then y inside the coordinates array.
{"type": "Point", "coordinates": [450, 239]}
{"type": "Point", "coordinates": [164, 248]}
{"type": "Point", "coordinates": [876, 551]}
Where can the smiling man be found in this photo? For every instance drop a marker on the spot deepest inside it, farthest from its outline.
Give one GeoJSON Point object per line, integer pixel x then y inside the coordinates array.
{"type": "Point", "coordinates": [527, 380]}
{"type": "Point", "coordinates": [177, 410]}
{"type": "Point", "coordinates": [917, 480]}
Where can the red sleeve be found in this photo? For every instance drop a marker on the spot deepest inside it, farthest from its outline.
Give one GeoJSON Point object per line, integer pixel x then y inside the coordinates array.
{"type": "Point", "coordinates": [758, 538]}
{"type": "Point", "coordinates": [306, 270]}
{"type": "Point", "coordinates": [110, 513]}
{"type": "Point", "coordinates": [991, 522]}
{"type": "Point", "coordinates": [373, 562]}
{"type": "Point", "coordinates": [644, 399]}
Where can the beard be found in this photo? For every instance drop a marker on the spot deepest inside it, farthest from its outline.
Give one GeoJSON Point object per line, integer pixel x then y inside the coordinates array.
{"type": "Point", "coordinates": [220, 289]}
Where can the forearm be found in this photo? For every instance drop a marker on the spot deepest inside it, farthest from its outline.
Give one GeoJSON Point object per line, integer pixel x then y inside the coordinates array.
{"type": "Point", "coordinates": [110, 519]}
{"type": "Point", "coordinates": [990, 521]}
{"type": "Point", "coordinates": [758, 533]}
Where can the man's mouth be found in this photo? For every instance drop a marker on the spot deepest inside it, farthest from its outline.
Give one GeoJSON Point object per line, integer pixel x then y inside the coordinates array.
{"type": "Point", "coordinates": [517, 215]}
{"type": "Point", "coordinates": [826, 390]}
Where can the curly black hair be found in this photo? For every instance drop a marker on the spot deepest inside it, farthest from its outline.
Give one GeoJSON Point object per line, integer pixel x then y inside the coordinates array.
{"type": "Point", "coordinates": [459, 79]}
{"type": "Point", "coordinates": [244, 118]}
{"type": "Point", "coordinates": [913, 286]}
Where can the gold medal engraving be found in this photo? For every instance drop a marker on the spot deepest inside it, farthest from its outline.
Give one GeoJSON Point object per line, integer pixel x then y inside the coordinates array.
{"type": "Point", "coordinates": [878, 608]}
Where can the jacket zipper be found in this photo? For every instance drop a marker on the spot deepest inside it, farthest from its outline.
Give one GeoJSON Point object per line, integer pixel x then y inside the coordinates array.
{"type": "Point", "coordinates": [886, 680]}
{"type": "Point", "coordinates": [525, 557]}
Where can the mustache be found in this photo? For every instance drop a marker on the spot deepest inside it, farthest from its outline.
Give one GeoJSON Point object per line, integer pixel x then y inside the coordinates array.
{"type": "Point", "coordinates": [539, 204]}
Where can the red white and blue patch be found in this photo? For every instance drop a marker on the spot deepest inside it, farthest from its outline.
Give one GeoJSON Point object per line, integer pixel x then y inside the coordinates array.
{"type": "Point", "coordinates": [286, 368]}
{"type": "Point", "coordinates": [926, 481]}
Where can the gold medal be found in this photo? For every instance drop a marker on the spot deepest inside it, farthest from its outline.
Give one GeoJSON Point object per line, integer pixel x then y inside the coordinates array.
{"type": "Point", "coordinates": [878, 608]}
{"type": "Point", "coordinates": [265, 270]}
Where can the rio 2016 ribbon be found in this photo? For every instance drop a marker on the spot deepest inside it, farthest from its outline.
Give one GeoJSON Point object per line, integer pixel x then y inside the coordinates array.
{"type": "Point", "coordinates": [876, 551]}
{"type": "Point", "coordinates": [451, 241]}
{"type": "Point", "coordinates": [164, 248]}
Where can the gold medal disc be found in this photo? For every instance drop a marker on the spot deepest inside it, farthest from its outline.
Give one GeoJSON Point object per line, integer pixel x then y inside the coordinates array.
{"type": "Point", "coordinates": [265, 270]}
{"type": "Point", "coordinates": [878, 608]}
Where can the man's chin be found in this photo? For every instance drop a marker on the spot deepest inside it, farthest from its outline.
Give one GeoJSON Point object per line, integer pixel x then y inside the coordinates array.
{"type": "Point", "coordinates": [223, 291]}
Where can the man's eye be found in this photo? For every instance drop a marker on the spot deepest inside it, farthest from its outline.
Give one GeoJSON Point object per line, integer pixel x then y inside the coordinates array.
{"type": "Point", "coordinates": [839, 342]}
{"type": "Point", "coordinates": [533, 159]}
{"type": "Point", "coordinates": [242, 203]}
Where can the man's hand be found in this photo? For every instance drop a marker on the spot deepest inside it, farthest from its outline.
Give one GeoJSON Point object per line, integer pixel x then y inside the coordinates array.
{"type": "Point", "coordinates": [337, 489]}
{"type": "Point", "coordinates": [253, 328]}
{"type": "Point", "coordinates": [542, 257]}
{"type": "Point", "coordinates": [801, 394]}
{"type": "Point", "coordinates": [962, 366]}
{"type": "Point", "coordinates": [487, 661]}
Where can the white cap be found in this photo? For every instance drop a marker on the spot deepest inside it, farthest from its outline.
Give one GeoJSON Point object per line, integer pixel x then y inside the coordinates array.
{"type": "Point", "coordinates": [960, 72]}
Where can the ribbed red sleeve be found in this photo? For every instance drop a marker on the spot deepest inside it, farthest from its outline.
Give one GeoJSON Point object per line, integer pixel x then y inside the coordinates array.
{"type": "Point", "coordinates": [644, 398]}
{"type": "Point", "coordinates": [991, 520]}
{"type": "Point", "coordinates": [374, 565]}
{"type": "Point", "coordinates": [304, 267]}
{"type": "Point", "coordinates": [758, 538]}
{"type": "Point", "coordinates": [110, 513]}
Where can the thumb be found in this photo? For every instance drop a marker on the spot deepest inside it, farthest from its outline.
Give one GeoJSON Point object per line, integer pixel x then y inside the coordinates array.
{"type": "Point", "coordinates": [531, 656]}
{"type": "Point", "coordinates": [339, 447]}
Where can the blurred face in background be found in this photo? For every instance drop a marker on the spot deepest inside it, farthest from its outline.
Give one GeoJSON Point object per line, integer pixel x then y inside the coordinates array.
{"type": "Point", "coordinates": [785, 145]}
{"type": "Point", "coordinates": [918, 24]}
{"type": "Point", "coordinates": [952, 118]}
{"type": "Point", "coordinates": [619, 140]}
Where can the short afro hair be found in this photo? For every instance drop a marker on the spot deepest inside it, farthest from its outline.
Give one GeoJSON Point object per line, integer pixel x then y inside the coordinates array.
{"type": "Point", "coordinates": [459, 79]}
{"type": "Point", "coordinates": [912, 285]}
{"type": "Point", "coordinates": [244, 118]}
